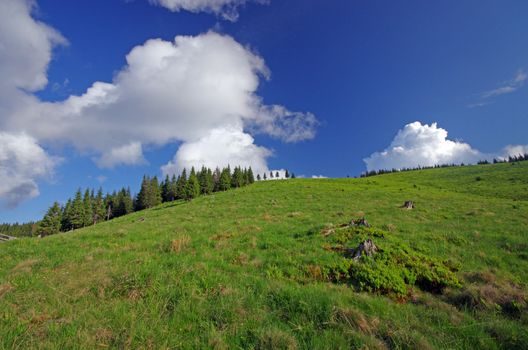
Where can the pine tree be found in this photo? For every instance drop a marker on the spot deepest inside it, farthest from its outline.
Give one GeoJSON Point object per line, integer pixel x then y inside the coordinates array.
{"type": "Point", "coordinates": [166, 190]}
{"type": "Point", "coordinates": [237, 179]}
{"type": "Point", "coordinates": [142, 201]}
{"type": "Point", "coordinates": [77, 215]}
{"type": "Point", "coordinates": [250, 176]}
{"type": "Point", "coordinates": [265, 177]}
{"type": "Point", "coordinates": [287, 174]}
{"type": "Point", "coordinates": [88, 210]}
{"type": "Point", "coordinates": [216, 179]}
{"type": "Point", "coordinates": [225, 180]}
{"type": "Point", "coordinates": [181, 185]}
{"type": "Point", "coordinates": [155, 193]}
{"type": "Point", "coordinates": [277, 175]}
{"type": "Point", "coordinates": [99, 209]}
{"type": "Point", "coordinates": [210, 181]}
{"type": "Point", "coordinates": [192, 189]}
{"type": "Point", "coordinates": [51, 223]}
{"type": "Point", "coordinates": [173, 185]}
{"type": "Point", "coordinates": [258, 177]}
{"type": "Point", "coordinates": [292, 175]}
{"type": "Point", "coordinates": [66, 224]}
{"type": "Point", "coordinates": [271, 174]}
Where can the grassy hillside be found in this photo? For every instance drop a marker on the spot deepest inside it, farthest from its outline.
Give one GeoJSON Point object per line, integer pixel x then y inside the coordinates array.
{"type": "Point", "coordinates": [251, 268]}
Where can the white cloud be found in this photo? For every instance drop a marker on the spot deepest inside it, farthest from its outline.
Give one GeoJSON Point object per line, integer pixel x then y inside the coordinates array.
{"type": "Point", "coordinates": [514, 150]}
{"type": "Point", "coordinates": [227, 9]}
{"type": "Point", "coordinates": [127, 155]}
{"type": "Point", "coordinates": [319, 177]}
{"type": "Point", "coordinates": [422, 145]}
{"type": "Point", "coordinates": [22, 162]}
{"type": "Point", "coordinates": [506, 87]}
{"type": "Point", "coordinates": [220, 147]}
{"type": "Point", "coordinates": [169, 91]}
{"type": "Point", "coordinates": [197, 90]}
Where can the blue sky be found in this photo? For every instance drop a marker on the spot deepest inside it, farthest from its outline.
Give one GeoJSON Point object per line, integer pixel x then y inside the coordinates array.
{"type": "Point", "coordinates": [365, 70]}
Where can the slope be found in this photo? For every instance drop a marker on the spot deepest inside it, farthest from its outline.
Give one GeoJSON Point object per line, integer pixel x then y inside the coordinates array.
{"type": "Point", "coordinates": [250, 268]}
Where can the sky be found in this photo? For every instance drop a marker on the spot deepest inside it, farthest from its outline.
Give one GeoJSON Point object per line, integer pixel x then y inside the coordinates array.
{"type": "Point", "coordinates": [98, 93]}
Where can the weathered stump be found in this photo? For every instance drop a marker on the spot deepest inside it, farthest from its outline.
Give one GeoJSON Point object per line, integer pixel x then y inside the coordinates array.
{"type": "Point", "coordinates": [359, 222]}
{"type": "Point", "coordinates": [367, 248]}
{"type": "Point", "coordinates": [408, 205]}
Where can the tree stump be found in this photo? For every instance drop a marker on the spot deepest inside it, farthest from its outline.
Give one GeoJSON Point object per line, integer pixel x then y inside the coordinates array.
{"type": "Point", "coordinates": [408, 205]}
{"type": "Point", "coordinates": [359, 222]}
{"type": "Point", "coordinates": [367, 248]}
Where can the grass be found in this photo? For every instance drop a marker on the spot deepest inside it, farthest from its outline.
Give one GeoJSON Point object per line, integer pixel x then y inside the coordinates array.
{"type": "Point", "coordinates": [249, 268]}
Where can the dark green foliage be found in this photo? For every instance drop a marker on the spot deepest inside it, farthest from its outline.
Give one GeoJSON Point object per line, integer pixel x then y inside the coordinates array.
{"type": "Point", "coordinates": [27, 229]}
{"type": "Point", "coordinates": [88, 209]}
{"type": "Point", "coordinates": [225, 180]}
{"type": "Point", "coordinates": [76, 212]}
{"type": "Point", "coordinates": [181, 185]}
{"type": "Point", "coordinates": [287, 174]}
{"type": "Point", "coordinates": [393, 269]}
{"type": "Point", "coordinates": [192, 189]}
{"type": "Point", "coordinates": [237, 179]}
{"type": "Point", "coordinates": [99, 208]}
{"type": "Point", "coordinates": [51, 223]}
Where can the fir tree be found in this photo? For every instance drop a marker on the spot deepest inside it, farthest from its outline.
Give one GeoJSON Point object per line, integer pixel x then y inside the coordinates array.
{"type": "Point", "coordinates": [88, 210]}
{"type": "Point", "coordinates": [192, 189]}
{"type": "Point", "coordinates": [225, 180]}
{"type": "Point", "coordinates": [258, 177]}
{"type": "Point", "coordinates": [237, 179]}
{"type": "Point", "coordinates": [66, 224]}
{"type": "Point", "coordinates": [173, 185]}
{"type": "Point", "coordinates": [287, 174]}
{"type": "Point", "coordinates": [142, 201]}
{"type": "Point", "coordinates": [181, 185]}
{"type": "Point", "coordinates": [77, 215]}
{"type": "Point", "coordinates": [277, 175]}
{"type": "Point", "coordinates": [292, 175]}
{"type": "Point", "coordinates": [154, 193]}
{"type": "Point", "coordinates": [99, 210]}
{"type": "Point", "coordinates": [166, 190]}
{"type": "Point", "coordinates": [271, 174]}
{"type": "Point", "coordinates": [265, 177]}
{"type": "Point", "coordinates": [51, 223]}
{"type": "Point", "coordinates": [250, 176]}
{"type": "Point", "coordinates": [216, 179]}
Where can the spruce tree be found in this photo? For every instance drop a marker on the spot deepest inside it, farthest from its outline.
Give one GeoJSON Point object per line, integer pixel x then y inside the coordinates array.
{"type": "Point", "coordinates": [88, 210]}
{"type": "Point", "coordinates": [142, 201]}
{"type": "Point", "coordinates": [166, 190]}
{"type": "Point", "coordinates": [258, 177]}
{"type": "Point", "coordinates": [51, 223]}
{"type": "Point", "coordinates": [66, 224]}
{"type": "Point", "coordinates": [192, 189]}
{"type": "Point", "coordinates": [99, 209]}
{"type": "Point", "coordinates": [173, 186]}
{"type": "Point", "coordinates": [216, 179]}
{"type": "Point", "coordinates": [209, 181]}
{"type": "Point", "coordinates": [287, 174]}
{"type": "Point", "coordinates": [271, 174]}
{"type": "Point", "coordinates": [225, 180]}
{"type": "Point", "coordinates": [265, 177]}
{"type": "Point", "coordinates": [277, 175]}
{"type": "Point", "coordinates": [154, 193]}
{"type": "Point", "coordinates": [77, 215]}
{"type": "Point", "coordinates": [237, 179]}
{"type": "Point", "coordinates": [181, 185]}
{"type": "Point", "coordinates": [250, 176]}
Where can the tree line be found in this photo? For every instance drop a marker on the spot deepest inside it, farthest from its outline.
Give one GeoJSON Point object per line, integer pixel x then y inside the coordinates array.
{"type": "Point", "coordinates": [287, 175]}
{"type": "Point", "coordinates": [90, 208]}
{"type": "Point", "coordinates": [27, 229]}
{"type": "Point", "coordinates": [510, 159]}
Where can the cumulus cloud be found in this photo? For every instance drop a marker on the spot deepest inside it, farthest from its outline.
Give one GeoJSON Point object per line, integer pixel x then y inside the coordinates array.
{"type": "Point", "coordinates": [22, 162]}
{"type": "Point", "coordinates": [220, 147]}
{"type": "Point", "coordinates": [200, 91]}
{"type": "Point", "coordinates": [227, 9]}
{"type": "Point", "coordinates": [169, 91]}
{"type": "Point", "coordinates": [422, 145]}
{"type": "Point", "coordinates": [514, 150]}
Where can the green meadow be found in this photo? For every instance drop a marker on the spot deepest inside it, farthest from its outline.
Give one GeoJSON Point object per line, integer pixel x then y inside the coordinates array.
{"type": "Point", "coordinates": [268, 266]}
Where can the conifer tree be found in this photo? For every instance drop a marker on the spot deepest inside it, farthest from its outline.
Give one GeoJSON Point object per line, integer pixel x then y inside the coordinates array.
{"type": "Point", "coordinates": [209, 181]}
{"type": "Point", "coordinates": [173, 185]}
{"type": "Point", "coordinates": [77, 215]}
{"type": "Point", "coordinates": [154, 193]}
{"type": "Point", "coordinates": [142, 201]}
{"type": "Point", "coordinates": [99, 210]}
{"type": "Point", "coordinates": [225, 180]}
{"type": "Point", "coordinates": [287, 174]}
{"type": "Point", "coordinates": [265, 177]}
{"type": "Point", "coordinates": [258, 177]}
{"type": "Point", "coordinates": [66, 224]}
{"type": "Point", "coordinates": [181, 185]}
{"type": "Point", "coordinates": [166, 190]}
{"type": "Point", "coordinates": [277, 175]}
{"type": "Point", "coordinates": [237, 179]}
{"type": "Point", "coordinates": [292, 175]}
{"type": "Point", "coordinates": [192, 189]}
{"type": "Point", "coordinates": [250, 176]}
{"type": "Point", "coordinates": [88, 210]}
{"type": "Point", "coordinates": [271, 174]}
{"type": "Point", "coordinates": [51, 223]}
{"type": "Point", "coordinates": [216, 179]}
